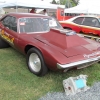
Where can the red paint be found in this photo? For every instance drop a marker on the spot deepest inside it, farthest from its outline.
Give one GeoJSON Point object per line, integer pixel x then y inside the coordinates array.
{"type": "Point", "coordinates": [55, 46]}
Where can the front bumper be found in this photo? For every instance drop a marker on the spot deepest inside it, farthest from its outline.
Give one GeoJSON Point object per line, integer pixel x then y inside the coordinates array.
{"type": "Point", "coordinates": [82, 63]}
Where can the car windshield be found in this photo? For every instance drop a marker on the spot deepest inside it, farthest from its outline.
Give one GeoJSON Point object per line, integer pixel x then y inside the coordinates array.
{"type": "Point", "coordinates": [28, 25]}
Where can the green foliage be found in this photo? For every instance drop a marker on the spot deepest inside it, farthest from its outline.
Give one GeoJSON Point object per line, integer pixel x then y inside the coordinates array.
{"type": "Point", "coordinates": [62, 2]}
{"type": "Point", "coordinates": [54, 2]}
{"type": "Point", "coordinates": [67, 3]}
{"type": "Point", "coordinates": [73, 3]}
{"type": "Point", "coordinates": [18, 83]}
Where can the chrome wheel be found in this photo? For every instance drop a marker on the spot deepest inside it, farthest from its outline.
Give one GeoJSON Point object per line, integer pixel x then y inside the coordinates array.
{"type": "Point", "coordinates": [34, 62]}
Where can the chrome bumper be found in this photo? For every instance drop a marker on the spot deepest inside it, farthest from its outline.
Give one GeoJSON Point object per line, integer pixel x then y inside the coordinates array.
{"type": "Point", "coordinates": [74, 64]}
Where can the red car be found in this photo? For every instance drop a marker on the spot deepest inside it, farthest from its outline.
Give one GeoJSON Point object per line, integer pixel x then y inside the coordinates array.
{"type": "Point", "coordinates": [46, 44]}
{"type": "Point", "coordinates": [85, 24]}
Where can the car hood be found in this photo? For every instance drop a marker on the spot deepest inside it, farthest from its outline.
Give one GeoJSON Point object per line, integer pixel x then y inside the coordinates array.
{"type": "Point", "coordinates": [68, 45]}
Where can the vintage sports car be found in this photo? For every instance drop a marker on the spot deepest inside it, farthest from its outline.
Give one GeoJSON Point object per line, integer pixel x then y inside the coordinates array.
{"type": "Point", "coordinates": [85, 24]}
{"type": "Point", "coordinates": [46, 44]}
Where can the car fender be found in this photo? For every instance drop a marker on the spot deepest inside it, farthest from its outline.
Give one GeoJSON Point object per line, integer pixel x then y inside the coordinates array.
{"type": "Point", "coordinates": [50, 54]}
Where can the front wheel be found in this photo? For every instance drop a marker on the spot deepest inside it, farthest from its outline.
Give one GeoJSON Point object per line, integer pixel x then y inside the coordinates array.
{"type": "Point", "coordinates": [36, 62]}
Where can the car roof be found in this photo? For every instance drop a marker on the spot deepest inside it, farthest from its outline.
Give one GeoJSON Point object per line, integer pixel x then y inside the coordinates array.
{"type": "Point", "coordinates": [19, 15]}
{"type": "Point", "coordinates": [89, 16]}
{"type": "Point", "coordinates": [71, 19]}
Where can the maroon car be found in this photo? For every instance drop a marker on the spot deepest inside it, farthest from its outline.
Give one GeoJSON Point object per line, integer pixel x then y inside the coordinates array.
{"type": "Point", "coordinates": [46, 44]}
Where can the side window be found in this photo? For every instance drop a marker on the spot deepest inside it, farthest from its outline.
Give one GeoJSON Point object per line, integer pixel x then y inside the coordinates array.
{"type": "Point", "coordinates": [95, 22]}
{"type": "Point", "coordinates": [5, 21]}
{"type": "Point", "coordinates": [89, 21]}
{"type": "Point", "coordinates": [10, 22]}
{"type": "Point", "coordinates": [67, 14]}
{"type": "Point", "coordinates": [78, 20]}
{"type": "Point", "coordinates": [13, 24]}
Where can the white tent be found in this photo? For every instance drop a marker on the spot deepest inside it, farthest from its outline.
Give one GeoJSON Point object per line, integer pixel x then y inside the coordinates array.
{"type": "Point", "coordinates": [27, 4]}
{"type": "Point", "coordinates": [2, 11]}
{"type": "Point", "coordinates": [76, 9]}
{"type": "Point", "coordinates": [85, 6]}
{"type": "Point", "coordinates": [89, 2]}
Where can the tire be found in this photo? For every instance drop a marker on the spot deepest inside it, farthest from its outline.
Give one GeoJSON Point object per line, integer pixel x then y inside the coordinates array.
{"type": "Point", "coordinates": [3, 44]}
{"type": "Point", "coordinates": [36, 62]}
{"type": "Point", "coordinates": [99, 62]}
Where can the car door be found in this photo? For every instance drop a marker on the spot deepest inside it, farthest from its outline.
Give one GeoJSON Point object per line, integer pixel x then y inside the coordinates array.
{"type": "Point", "coordinates": [8, 28]}
{"type": "Point", "coordinates": [91, 25]}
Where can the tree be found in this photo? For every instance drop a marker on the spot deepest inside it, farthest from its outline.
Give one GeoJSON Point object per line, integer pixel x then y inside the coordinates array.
{"type": "Point", "coordinates": [75, 1]}
{"type": "Point", "coordinates": [61, 2]}
{"type": "Point", "coordinates": [68, 4]}
{"type": "Point", "coordinates": [53, 2]}
{"type": "Point", "coordinates": [65, 2]}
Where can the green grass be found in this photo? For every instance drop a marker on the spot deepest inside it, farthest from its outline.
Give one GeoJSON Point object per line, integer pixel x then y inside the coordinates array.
{"type": "Point", "coordinates": [18, 83]}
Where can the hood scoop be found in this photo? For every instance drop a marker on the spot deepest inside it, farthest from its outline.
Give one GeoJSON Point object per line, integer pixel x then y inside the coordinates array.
{"type": "Point", "coordinates": [67, 32]}
{"type": "Point", "coordinates": [68, 45]}
{"type": "Point", "coordinates": [60, 39]}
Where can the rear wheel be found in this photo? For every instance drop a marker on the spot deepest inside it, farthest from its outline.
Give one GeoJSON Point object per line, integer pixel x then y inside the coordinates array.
{"type": "Point", "coordinates": [36, 62]}
{"type": "Point", "coordinates": [3, 44]}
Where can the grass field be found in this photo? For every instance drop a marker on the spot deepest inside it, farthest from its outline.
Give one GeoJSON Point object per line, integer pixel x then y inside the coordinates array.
{"type": "Point", "coordinates": [18, 83]}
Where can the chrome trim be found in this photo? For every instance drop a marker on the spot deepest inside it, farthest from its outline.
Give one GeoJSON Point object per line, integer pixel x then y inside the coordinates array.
{"type": "Point", "coordinates": [60, 66]}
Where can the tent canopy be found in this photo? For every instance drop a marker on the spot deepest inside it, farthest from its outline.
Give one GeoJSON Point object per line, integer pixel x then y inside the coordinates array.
{"type": "Point", "coordinates": [76, 9]}
{"type": "Point", "coordinates": [28, 4]}
{"type": "Point", "coordinates": [85, 6]}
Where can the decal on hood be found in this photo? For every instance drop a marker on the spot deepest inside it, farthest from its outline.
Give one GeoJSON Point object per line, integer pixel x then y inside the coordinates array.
{"type": "Point", "coordinates": [92, 54]}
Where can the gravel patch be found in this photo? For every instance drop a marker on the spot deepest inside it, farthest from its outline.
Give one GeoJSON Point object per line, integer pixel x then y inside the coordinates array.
{"type": "Point", "coordinates": [91, 94]}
